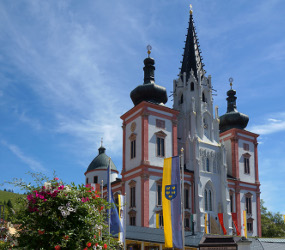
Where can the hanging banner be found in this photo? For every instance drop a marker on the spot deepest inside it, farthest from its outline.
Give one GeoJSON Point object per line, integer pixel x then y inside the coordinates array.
{"type": "Point", "coordinates": [234, 217]}
{"type": "Point", "coordinates": [221, 219]}
{"type": "Point", "coordinates": [244, 224]}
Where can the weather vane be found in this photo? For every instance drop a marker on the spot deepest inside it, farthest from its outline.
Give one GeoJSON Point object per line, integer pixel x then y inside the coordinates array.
{"type": "Point", "coordinates": [149, 48]}
{"type": "Point", "coordinates": [191, 11]}
{"type": "Point", "coordinates": [231, 82]}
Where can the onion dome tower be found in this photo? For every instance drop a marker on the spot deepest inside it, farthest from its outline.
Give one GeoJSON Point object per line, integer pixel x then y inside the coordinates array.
{"type": "Point", "coordinates": [149, 91]}
{"type": "Point", "coordinates": [97, 169]}
{"type": "Point", "coordinates": [233, 118]}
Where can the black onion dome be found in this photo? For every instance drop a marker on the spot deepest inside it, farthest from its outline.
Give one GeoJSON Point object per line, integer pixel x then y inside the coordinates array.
{"type": "Point", "coordinates": [149, 91]}
{"type": "Point", "coordinates": [101, 161]}
{"type": "Point", "coordinates": [233, 118]}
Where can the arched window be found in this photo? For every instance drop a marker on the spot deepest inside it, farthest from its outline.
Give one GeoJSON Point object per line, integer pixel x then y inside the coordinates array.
{"type": "Point", "coordinates": [192, 86]}
{"type": "Point", "coordinates": [206, 199]}
{"type": "Point", "coordinates": [181, 99]}
{"type": "Point", "coordinates": [208, 165]}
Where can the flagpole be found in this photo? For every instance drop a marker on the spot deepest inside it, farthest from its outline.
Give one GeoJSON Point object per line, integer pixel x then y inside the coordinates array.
{"type": "Point", "coordinates": [125, 221]}
{"type": "Point", "coordinates": [182, 198]}
{"type": "Point", "coordinates": [109, 196]}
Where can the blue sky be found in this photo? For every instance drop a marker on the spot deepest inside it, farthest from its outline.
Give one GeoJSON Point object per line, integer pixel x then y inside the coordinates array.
{"type": "Point", "coordinates": [67, 69]}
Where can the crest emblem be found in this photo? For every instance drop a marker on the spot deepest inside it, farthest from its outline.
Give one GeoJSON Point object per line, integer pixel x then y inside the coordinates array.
{"type": "Point", "coordinates": [170, 191]}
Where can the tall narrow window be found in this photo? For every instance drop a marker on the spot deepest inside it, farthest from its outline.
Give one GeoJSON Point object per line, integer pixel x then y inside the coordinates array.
{"type": "Point", "coordinates": [181, 99]}
{"type": "Point", "coordinates": [160, 147]}
{"type": "Point", "coordinates": [232, 203]}
{"type": "Point", "coordinates": [203, 97]}
{"type": "Point", "coordinates": [246, 165]}
{"type": "Point", "coordinates": [210, 200]}
{"type": "Point", "coordinates": [95, 180]}
{"type": "Point", "coordinates": [160, 220]}
{"type": "Point", "coordinates": [192, 86]}
{"type": "Point", "coordinates": [208, 165]}
{"type": "Point", "coordinates": [186, 196]}
{"type": "Point", "coordinates": [133, 149]}
{"type": "Point", "coordinates": [206, 200]}
{"type": "Point", "coordinates": [133, 197]}
{"type": "Point", "coordinates": [248, 204]}
{"type": "Point", "coordinates": [86, 180]}
{"type": "Point", "coordinates": [132, 139]}
{"type": "Point", "coordinates": [132, 185]}
{"type": "Point", "coordinates": [159, 198]}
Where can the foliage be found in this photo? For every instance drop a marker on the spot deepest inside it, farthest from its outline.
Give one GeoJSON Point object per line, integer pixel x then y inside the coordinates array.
{"type": "Point", "coordinates": [272, 224]}
{"type": "Point", "coordinates": [59, 216]}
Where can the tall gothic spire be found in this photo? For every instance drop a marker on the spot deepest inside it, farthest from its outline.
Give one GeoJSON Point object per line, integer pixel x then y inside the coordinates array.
{"type": "Point", "coordinates": [192, 55]}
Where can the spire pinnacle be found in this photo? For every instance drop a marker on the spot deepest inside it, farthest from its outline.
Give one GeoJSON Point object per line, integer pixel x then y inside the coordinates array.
{"type": "Point", "coordinates": [101, 141]}
{"type": "Point", "coordinates": [192, 58]}
{"type": "Point", "coordinates": [231, 82]}
{"type": "Point", "coordinates": [149, 48]}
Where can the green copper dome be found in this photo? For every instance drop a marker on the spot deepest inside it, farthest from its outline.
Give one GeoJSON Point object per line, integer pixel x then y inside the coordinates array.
{"type": "Point", "coordinates": [101, 161]}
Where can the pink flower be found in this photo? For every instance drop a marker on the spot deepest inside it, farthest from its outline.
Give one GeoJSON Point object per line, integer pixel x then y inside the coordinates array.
{"type": "Point", "coordinates": [60, 187]}
{"type": "Point", "coordinates": [57, 247]}
{"type": "Point", "coordinates": [56, 178]}
{"type": "Point", "coordinates": [89, 244]}
{"type": "Point", "coordinates": [105, 246]}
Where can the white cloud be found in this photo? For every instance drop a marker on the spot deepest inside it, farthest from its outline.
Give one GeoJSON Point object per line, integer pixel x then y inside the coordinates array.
{"type": "Point", "coordinates": [32, 163]}
{"type": "Point", "coordinates": [272, 125]}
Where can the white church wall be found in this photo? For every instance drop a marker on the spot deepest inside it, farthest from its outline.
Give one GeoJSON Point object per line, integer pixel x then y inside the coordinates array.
{"type": "Point", "coordinates": [153, 208]}
{"type": "Point", "coordinates": [102, 175]}
{"type": "Point", "coordinates": [253, 215]}
{"type": "Point", "coordinates": [152, 129]}
{"type": "Point", "coordinates": [243, 176]}
{"type": "Point", "coordinates": [131, 163]}
{"type": "Point", "coordinates": [228, 147]}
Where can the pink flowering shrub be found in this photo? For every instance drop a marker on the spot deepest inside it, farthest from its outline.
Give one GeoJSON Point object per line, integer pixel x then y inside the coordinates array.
{"type": "Point", "coordinates": [59, 216]}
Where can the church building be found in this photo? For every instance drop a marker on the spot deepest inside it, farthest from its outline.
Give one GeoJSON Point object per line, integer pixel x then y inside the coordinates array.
{"type": "Point", "coordinates": [220, 155]}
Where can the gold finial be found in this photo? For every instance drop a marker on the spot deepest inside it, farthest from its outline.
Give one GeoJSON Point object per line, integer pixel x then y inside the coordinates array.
{"type": "Point", "coordinates": [149, 48]}
{"type": "Point", "coordinates": [231, 82]}
{"type": "Point", "coordinates": [191, 11]}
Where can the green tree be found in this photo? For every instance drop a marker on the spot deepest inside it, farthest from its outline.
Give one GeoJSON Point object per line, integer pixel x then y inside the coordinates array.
{"type": "Point", "coordinates": [9, 204]}
{"type": "Point", "coordinates": [272, 224]}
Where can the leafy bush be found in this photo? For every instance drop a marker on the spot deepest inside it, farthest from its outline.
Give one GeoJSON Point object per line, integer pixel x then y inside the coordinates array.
{"type": "Point", "coordinates": [59, 216]}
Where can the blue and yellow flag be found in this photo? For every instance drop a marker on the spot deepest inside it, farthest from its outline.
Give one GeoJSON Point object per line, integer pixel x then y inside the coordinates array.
{"type": "Point", "coordinates": [171, 203]}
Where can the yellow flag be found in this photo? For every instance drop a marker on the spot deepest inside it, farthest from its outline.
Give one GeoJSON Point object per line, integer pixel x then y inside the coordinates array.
{"type": "Point", "coordinates": [244, 224]}
{"type": "Point", "coordinates": [206, 222]}
{"type": "Point", "coordinates": [284, 218]}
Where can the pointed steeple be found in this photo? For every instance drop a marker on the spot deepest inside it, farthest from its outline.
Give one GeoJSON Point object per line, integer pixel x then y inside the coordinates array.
{"type": "Point", "coordinates": [192, 55]}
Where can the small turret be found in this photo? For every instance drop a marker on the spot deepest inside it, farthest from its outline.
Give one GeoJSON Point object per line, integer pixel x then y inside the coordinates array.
{"type": "Point", "coordinates": [149, 91]}
{"type": "Point", "coordinates": [233, 118]}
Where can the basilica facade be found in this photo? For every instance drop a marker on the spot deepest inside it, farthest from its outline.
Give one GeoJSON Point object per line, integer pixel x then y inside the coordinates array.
{"type": "Point", "coordinates": [220, 155]}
